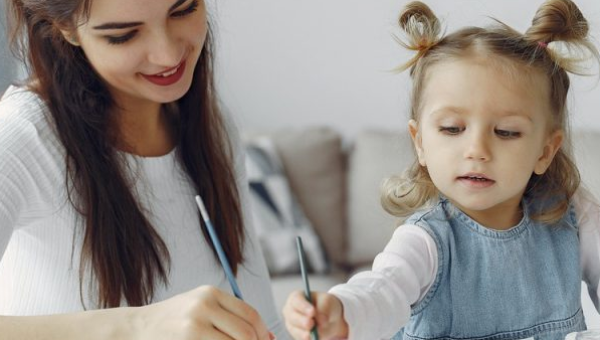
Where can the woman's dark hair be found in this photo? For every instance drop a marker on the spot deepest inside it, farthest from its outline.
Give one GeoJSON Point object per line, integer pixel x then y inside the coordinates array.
{"type": "Point", "coordinates": [126, 255]}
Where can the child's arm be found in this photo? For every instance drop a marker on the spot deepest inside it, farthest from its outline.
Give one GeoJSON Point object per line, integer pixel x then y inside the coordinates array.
{"type": "Point", "coordinates": [587, 210]}
{"type": "Point", "coordinates": [373, 304]}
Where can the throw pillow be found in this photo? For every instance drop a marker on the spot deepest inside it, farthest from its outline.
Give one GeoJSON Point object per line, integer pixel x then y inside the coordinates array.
{"type": "Point", "coordinates": [277, 216]}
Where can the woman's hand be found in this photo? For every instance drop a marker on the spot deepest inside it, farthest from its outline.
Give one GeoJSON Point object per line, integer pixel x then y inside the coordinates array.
{"type": "Point", "coordinates": [300, 316]}
{"type": "Point", "coordinates": [205, 313]}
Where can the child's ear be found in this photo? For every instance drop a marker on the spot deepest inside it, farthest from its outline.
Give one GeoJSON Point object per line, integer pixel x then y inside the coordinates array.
{"type": "Point", "coordinates": [413, 129]}
{"type": "Point", "coordinates": [550, 149]}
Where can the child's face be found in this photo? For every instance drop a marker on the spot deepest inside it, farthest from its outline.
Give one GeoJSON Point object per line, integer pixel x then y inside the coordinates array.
{"type": "Point", "coordinates": [482, 133]}
{"type": "Point", "coordinates": [151, 52]}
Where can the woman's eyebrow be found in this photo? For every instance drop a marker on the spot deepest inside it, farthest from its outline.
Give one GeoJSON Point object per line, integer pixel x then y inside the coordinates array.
{"type": "Point", "coordinates": [120, 25]}
{"type": "Point", "coordinates": [176, 4]}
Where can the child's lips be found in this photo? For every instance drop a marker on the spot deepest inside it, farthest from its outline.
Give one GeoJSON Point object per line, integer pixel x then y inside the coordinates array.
{"type": "Point", "coordinates": [476, 180]}
{"type": "Point", "coordinates": [475, 176]}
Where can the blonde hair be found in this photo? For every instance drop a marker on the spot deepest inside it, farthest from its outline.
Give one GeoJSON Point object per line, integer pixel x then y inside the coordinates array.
{"type": "Point", "coordinates": [556, 22]}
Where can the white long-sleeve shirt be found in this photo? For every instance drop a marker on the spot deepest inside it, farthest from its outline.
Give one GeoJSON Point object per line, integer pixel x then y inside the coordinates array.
{"type": "Point", "coordinates": [40, 234]}
{"type": "Point", "coordinates": [405, 270]}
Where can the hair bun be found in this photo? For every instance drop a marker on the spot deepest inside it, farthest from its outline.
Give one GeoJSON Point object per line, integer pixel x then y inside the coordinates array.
{"type": "Point", "coordinates": [558, 20]}
{"type": "Point", "coordinates": [422, 30]}
{"type": "Point", "coordinates": [420, 24]}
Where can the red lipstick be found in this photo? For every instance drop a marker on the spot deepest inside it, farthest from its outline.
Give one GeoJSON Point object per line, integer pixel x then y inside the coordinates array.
{"type": "Point", "coordinates": [167, 77]}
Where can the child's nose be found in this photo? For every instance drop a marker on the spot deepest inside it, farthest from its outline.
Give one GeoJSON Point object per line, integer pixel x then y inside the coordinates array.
{"type": "Point", "coordinates": [478, 149]}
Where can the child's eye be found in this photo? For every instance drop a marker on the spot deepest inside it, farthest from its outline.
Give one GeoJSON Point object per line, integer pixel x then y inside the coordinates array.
{"type": "Point", "coordinates": [507, 134]}
{"type": "Point", "coordinates": [189, 10]}
{"type": "Point", "coordinates": [121, 38]}
{"type": "Point", "coordinates": [451, 130]}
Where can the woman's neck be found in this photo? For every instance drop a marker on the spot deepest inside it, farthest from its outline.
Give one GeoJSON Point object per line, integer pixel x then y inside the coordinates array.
{"type": "Point", "coordinates": [144, 130]}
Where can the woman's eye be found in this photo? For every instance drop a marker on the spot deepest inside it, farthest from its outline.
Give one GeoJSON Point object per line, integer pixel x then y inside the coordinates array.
{"type": "Point", "coordinates": [451, 130]}
{"type": "Point", "coordinates": [189, 10]}
{"type": "Point", "coordinates": [121, 38]}
{"type": "Point", "coordinates": [507, 134]}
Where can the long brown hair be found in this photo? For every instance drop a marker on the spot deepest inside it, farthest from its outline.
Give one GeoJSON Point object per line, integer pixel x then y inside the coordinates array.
{"type": "Point", "coordinates": [555, 21]}
{"type": "Point", "coordinates": [125, 254]}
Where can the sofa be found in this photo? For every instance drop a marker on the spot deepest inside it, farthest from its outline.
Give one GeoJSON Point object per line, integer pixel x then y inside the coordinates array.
{"type": "Point", "coordinates": [337, 181]}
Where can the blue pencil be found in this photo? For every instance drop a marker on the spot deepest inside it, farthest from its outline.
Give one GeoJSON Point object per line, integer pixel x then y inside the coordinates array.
{"type": "Point", "coordinates": [313, 332]}
{"type": "Point", "coordinates": [219, 248]}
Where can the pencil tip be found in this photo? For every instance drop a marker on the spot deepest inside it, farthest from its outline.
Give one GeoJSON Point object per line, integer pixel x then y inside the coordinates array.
{"type": "Point", "coordinates": [202, 208]}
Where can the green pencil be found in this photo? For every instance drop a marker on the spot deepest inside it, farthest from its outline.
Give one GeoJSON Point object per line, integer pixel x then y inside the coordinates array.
{"type": "Point", "coordinates": [313, 332]}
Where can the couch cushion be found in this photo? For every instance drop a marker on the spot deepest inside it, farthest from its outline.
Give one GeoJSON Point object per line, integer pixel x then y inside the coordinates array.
{"type": "Point", "coordinates": [314, 163]}
{"type": "Point", "coordinates": [376, 155]}
{"type": "Point", "coordinates": [278, 218]}
{"type": "Point", "coordinates": [587, 157]}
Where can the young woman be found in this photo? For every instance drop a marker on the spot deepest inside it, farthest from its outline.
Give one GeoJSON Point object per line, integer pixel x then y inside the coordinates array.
{"type": "Point", "coordinates": [102, 152]}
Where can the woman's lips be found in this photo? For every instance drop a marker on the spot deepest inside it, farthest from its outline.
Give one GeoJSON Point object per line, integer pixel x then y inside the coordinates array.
{"type": "Point", "coordinates": [168, 77]}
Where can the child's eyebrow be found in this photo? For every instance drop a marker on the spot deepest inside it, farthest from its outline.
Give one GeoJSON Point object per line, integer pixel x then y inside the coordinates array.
{"type": "Point", "coordinates": [455, 110]}
{"type": "Point", "coordinates": [448, 109]}
{"type": "Point", "coordinates": [516, 114]}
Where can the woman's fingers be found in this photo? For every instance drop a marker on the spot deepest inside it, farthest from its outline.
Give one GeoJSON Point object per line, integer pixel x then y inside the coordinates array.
{"type": "Point", "coordinates": [214, 334]}
{"type": "Point", "coordinates": [246, 323]}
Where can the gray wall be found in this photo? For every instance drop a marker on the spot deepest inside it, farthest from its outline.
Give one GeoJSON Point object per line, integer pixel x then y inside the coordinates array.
{"type": "Point", "coordinates": [8, 69]}
{"type": "Point", "coordinates": [315, 62]}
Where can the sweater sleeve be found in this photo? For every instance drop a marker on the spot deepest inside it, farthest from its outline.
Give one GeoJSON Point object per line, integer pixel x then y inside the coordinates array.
{"type": "Point", "coordinates": [587, 210]}
{"type": "Point", "coordinates": [28, 162]}
{"type": "Point", "coordinates": [401, 276]}
{"type": "Point", "coordinates": [17, 184]}
{"type": "Point", "coordinates": [255, 277]}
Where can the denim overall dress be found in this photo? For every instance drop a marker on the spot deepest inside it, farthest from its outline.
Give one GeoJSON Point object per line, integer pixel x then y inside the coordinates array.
{"type": "Point", "coordinates": [521, 283]}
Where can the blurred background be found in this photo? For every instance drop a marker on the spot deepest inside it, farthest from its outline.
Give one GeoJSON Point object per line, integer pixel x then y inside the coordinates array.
{"type": "Point", "coordinates": [327, 62]}
{"type": "Point", "coordinates": [6, 62]}
{"type": "Point", "coordinates": [314, 62]}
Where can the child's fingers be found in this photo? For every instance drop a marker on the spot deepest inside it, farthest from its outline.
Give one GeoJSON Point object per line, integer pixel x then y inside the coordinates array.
{"type": "Point", "coordinates": [328, 305]}
{"type": "Point", "coordinates": [299, 320]}
{"type": "Point", "coordinates": [298, 303]}
{"type": "Point", "coordinates": [298, 333]}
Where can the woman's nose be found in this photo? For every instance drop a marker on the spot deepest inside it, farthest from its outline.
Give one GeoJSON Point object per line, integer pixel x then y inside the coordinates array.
{"type": "Point", "coordinates": [164, 49]}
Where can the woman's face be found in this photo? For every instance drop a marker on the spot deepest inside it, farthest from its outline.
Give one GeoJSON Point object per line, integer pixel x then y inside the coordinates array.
{"type": "Point", "coordinates": [145, 50]}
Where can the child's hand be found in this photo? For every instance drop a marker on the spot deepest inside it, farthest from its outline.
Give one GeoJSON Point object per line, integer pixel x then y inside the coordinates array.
{"type": "Point", "coordinates": [300, 316]}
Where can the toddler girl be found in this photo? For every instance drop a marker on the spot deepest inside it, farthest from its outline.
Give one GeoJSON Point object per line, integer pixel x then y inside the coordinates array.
{"type": "Point", "coordinates": [498, 235]}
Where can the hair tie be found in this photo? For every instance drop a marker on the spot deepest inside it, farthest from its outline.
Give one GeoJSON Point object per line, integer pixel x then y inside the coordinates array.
{"type": "Point", "coordinates": [542, 44]}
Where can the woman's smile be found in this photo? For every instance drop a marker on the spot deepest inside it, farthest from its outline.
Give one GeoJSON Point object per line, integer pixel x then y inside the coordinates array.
{"type": "Point", "coordinates": [168, 77]}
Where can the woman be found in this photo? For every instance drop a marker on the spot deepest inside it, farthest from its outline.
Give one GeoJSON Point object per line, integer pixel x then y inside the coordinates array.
{"type": "Point", "coordinates": [101, 155]}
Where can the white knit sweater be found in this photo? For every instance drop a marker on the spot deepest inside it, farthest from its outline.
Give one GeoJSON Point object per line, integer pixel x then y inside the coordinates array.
{"type": "Point", "coordinates": [40, 232]}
